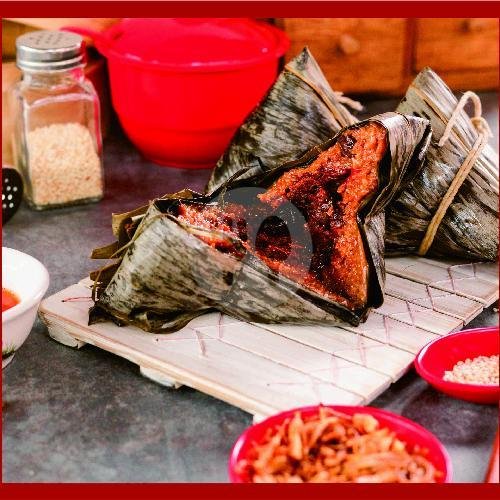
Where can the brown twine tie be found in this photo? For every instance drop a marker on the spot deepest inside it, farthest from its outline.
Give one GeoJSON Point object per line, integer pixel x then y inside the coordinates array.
{"type": "Point", "coordinates": [484, 134]}
{"type": "Point", "coordinates": [341, 98]}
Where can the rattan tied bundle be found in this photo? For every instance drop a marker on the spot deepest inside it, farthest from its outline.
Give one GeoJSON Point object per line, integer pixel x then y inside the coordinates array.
{"type": "Point", "coordinates": [450, 207]}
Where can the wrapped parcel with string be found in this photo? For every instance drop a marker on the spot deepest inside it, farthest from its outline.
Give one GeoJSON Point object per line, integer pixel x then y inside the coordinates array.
{"type": "Point", "coordinates": [428, 217]}
{"type": "Point", "coordinates": [450, 206]}
{"type": "Point", "coordinates": [300, 111]}
{"type": "Point", "coordinates": [301, 243]}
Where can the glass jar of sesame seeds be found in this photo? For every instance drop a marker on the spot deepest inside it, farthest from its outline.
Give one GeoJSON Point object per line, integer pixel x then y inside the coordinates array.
{"type": "Point", "coordinates": [57, 141]}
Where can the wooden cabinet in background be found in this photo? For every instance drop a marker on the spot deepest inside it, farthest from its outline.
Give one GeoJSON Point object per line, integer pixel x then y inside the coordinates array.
{"type": "Point", "coordinates": [463, 51]}
{"type": "Point", "coordinates": [356, 55]}
{"type": "Point", "coordinates": [12, 27]}
{"type": "Point", "coordinates": [382, 56]}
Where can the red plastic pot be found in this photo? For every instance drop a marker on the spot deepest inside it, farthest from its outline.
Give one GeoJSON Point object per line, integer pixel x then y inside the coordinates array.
{"type": "Point", "coordinates": [181, 87]}
{"type": "Point", "coordinates": [406, 430]}
{"type": "Point", "coordinates": [443, 353]}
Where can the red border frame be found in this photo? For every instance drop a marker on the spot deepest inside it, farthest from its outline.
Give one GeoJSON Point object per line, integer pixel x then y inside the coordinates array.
{"type": "Point", "coordinates": [174, 491]}
{"type": "Point", "coordinates": [251, 9]}
{"type": "Point", "coordinates": [262, 8]}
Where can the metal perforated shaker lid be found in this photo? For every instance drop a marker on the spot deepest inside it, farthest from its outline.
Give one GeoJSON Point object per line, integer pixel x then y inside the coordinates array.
{"type": "Point", "coordinates": [50, 51]}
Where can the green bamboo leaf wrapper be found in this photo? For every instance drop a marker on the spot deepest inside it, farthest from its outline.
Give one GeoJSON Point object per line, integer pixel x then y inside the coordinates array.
{"type": "Point", "coordinates": [469, 228]}
{"type": "Point", "coordinates": [167, 275]}
{"type": "Point", "coordinates": [300, 111]}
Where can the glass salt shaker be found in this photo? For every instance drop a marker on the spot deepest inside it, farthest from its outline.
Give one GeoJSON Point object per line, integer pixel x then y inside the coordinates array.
{"type": "Point", "coordinates": [57, 142]}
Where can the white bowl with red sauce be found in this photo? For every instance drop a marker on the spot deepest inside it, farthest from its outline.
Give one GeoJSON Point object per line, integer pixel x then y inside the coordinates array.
{"type": "Point", "coordinates": [24, 283]}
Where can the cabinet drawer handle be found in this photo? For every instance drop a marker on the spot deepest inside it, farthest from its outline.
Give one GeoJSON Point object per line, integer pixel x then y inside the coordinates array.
{"type": "Point", "coordinates": [473, 25]}
{"type": "Point", "coordinates": [348, 45]}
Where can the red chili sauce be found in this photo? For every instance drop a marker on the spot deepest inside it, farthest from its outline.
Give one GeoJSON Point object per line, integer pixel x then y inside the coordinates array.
{"type": "Point", "coordinates": [9, 299]}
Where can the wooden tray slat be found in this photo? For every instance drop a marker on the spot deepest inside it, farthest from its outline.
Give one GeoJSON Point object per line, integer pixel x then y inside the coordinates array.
{"type": "Point", "coordinates": [267, 368]}
{"type": "Point", "coordinates": [447, 278]}
{"type": "Point", "coordinates": [419, 315]}
{"type": "Point", "coordinates": [395, 333]}
{"type": "Point", "coordinates": [317, 363]}
{"type": "Point", "coordinates": [351, 346]}
{"type": "Point", "coordinates": [250, 381]}
{"type": "Point", "coordinates": [487, 271]}
{"type": "Point", "coordinates": [441, 301]}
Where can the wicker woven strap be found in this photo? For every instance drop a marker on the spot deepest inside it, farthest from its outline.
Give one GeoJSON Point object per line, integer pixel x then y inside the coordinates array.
{"type": "Point", "coordinates": [484, 133]}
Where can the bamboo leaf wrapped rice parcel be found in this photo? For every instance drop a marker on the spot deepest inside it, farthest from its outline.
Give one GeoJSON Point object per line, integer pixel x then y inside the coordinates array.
{"type": "Point", "coordinates": [302, 105]}
{"type": "Point", "coordinates": [300, 111]}
{"type": "Point", "coordinates": [302, 243]}
{"type": "Point", "coordinates": [469, 226]}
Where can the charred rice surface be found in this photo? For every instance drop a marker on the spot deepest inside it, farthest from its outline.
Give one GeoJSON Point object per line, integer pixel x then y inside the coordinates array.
{"type": "Point", "coordinates": [231, 220]}
{"type": "Point", "coordinates": [329, 193]}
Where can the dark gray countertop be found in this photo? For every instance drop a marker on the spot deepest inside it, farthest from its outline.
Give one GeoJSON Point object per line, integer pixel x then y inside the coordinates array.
{"type": "Point", "coordinates": [86, 415]}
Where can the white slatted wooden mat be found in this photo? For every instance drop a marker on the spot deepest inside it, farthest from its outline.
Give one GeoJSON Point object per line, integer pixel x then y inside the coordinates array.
{"type": "Point", "coordinates": [267, 368]}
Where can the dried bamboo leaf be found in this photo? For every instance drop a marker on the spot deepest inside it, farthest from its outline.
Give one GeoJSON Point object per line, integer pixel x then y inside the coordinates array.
{"type": "Point", "coordinates": [300, 111]}
{"type": "Point", "coordinates": [168, 275]}
{"type": "Point", "coordinates": [470, 226]}
{"type": "Point", "coordinates": [105, 252]}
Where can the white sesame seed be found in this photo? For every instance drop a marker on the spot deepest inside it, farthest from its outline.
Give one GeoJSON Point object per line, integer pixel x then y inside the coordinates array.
{"type": "Point", "coordinates": [481, 370]}
{"type": "Point", "coordinates": [63, 164]}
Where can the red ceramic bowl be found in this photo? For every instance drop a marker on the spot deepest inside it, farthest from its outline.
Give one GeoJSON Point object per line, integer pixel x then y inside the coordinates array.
{"type": "Point", "coordinates": [443, 353]}
{"type": "Point", "coordinates": [181, 87]}
{"type": "Point", "coordinates": [407, 431]}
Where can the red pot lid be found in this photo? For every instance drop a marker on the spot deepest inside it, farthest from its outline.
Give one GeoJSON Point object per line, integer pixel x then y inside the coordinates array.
{"type": "Point", "coordinates": [194, 43]}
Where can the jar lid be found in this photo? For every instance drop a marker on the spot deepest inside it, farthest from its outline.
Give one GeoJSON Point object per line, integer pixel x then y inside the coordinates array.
{"type": "Point", "coordinates": [193, 43]}
{"type": "Point", "coordinates": [50, 51]}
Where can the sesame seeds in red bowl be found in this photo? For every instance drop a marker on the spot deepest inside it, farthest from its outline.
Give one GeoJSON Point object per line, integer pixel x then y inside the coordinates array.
{"type": "Point", "coordinates": [463, 365]}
